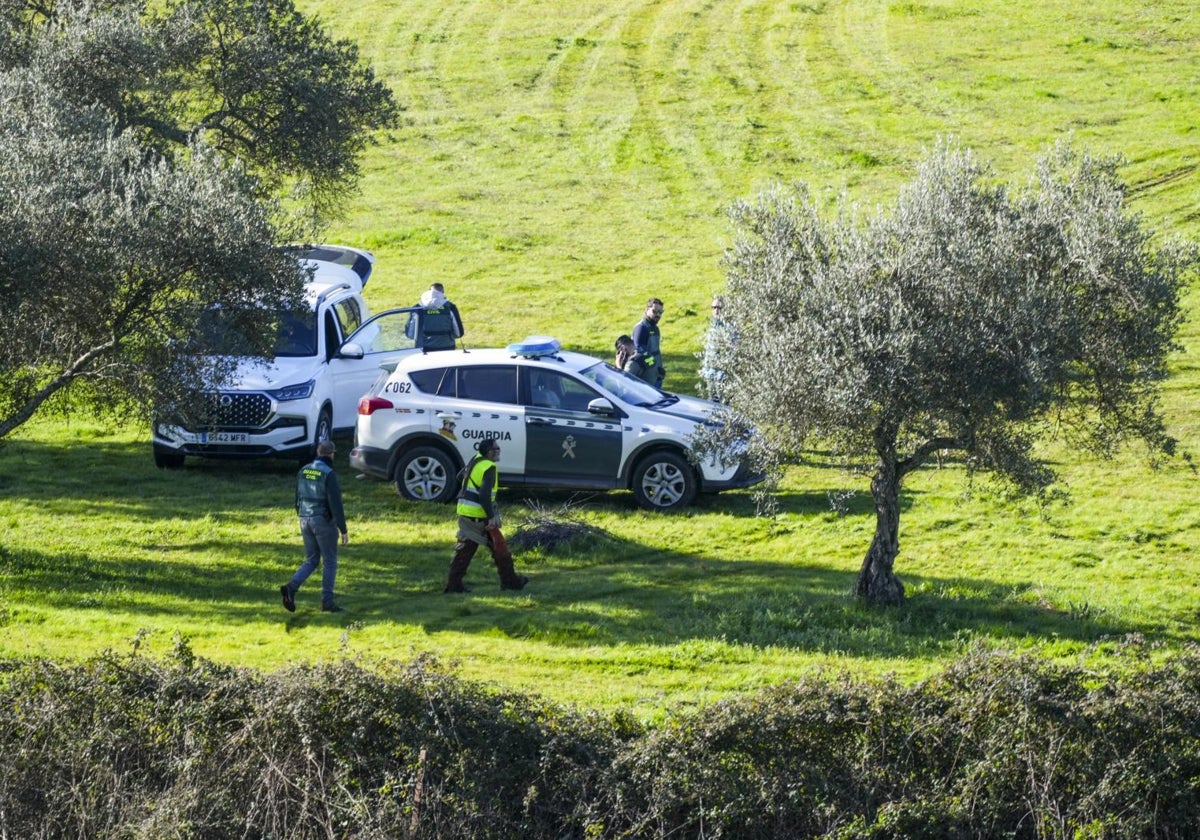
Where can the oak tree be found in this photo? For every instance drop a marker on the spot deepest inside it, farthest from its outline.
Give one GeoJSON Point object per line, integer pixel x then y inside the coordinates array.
{"type": "Point", "coordinates": [260, 81]}
{"type": "Point", "coordinates": [110, 256]}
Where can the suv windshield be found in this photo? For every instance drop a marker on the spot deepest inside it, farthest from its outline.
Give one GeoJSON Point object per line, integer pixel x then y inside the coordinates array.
{"type": "Point", "coordinates": [622, 385]}
{"type": "Point", "coordinates": [221, 332]}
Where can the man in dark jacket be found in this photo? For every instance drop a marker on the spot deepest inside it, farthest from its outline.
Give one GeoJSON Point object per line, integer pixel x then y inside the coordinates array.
{"type": "Point", "coordinates": [322, 518]}
{"type": "Point", "coordinates": [647, 341]}
{"type": "Point", "coordinates": [627, 358]}
{"type": "Point", "coordinates": [441, 325]}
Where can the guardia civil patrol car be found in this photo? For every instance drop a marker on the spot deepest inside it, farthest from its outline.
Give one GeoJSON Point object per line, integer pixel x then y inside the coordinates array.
{"type": "Point", "coordinates": [563, 419]}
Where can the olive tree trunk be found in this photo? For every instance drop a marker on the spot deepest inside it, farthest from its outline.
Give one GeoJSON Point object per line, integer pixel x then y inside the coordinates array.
{"type": "Point", "coordinates": [877, 583]}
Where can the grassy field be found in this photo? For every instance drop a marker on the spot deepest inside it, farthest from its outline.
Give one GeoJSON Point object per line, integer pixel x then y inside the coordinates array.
{"type": "Point", "coordinates": [557, 164]}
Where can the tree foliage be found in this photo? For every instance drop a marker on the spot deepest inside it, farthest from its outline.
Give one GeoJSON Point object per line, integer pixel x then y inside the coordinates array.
{"type": "Point", "coordinates": [142, 146]}
{"type": "Point", "coordinates": [968, 317]}
{"type": "Point", "coordinates": [262, 82]}
{"type": "Point", "coordinates": [112, 253]}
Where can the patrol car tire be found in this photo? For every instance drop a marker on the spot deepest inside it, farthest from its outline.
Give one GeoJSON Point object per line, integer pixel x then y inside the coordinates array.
{"type": "Point", "coordinates": [425, 474]}
{"type": "Point", "coordinates": [664, 481]}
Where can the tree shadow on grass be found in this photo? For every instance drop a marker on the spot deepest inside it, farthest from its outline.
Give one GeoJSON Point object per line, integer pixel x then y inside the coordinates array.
{"type": "Point", "coordinates": [607, 592]}
{"type": "Point", "coordinates": [621, 593]}
{"type": "Point", "coordinates": [672, 599]}
{"type": "Point", "coordinates": [121, 476]}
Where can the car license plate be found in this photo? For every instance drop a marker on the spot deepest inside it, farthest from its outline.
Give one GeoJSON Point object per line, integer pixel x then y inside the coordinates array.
{"type": "Point", "coordinates": [224, 437]}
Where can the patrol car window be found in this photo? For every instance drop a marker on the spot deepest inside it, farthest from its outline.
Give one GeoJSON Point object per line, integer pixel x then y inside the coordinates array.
{"type": "Point", "coordinates": [488, 383]}
{"type": "Point", "coordinates": [551, 389]}
{"type": "Point", "coordinates": [429, 381]}
{"type": "Point", "coordinates": [624, 386]}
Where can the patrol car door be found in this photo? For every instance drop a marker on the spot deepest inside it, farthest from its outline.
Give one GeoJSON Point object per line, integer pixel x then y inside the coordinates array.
{"type": "Point", "coordinates": [485, 405]}
{"type": "Point", "coordinates": [380, 339]}
{"type": "Point", "coordinates": [565, 443]}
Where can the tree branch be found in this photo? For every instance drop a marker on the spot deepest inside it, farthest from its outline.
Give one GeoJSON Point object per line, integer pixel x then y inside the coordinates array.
{"type": "Point", "coordinates": [76, 369]}
{"type": "Point", "coordinates": [921, 454]}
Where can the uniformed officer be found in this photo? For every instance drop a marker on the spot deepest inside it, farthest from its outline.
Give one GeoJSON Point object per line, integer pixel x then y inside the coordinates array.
{"type": "Point", "coordinates": [647, 341]}
{"type": "Point", "coordinates": [479, 521]}
{"type": "Point", "coordinates": [441, 324]}
{"type": "Point", "coordinates": [322, 518]}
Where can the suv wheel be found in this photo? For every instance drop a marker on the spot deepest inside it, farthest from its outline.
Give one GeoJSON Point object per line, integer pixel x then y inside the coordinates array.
{"type": "Point", "coordinates": [425, 474]}
{"type": "Point", "coordinates": [324, 430]}
{"type": "Point", "coordinates": [664, 481]}
{"type": "Point", "coordinates": [168, 459]}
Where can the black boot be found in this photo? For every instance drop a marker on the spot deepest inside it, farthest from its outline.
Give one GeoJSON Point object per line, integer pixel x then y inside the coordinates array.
{"type": "Point", "coordinates": [463, 552]}
{"type": "Point", "coordinates": [509, 579]}
{"type": "Point", "coordinates": [514, 582]}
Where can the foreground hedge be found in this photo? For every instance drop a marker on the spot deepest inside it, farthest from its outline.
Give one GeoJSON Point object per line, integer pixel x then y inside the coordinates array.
{"type": "Point", "coordinates": [996, 746]}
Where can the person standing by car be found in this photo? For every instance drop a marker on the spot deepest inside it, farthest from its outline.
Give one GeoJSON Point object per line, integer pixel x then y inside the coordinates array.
{"type": "Point", "coordinates": [322, 518]}
{"type": "Point", "coordinates": [626, 358]}
{"type": "Point", "coordinates": [479, 521]}
{"type": "Point", "coordinates": [440, 322]}
{"type": "Point", "coordinates": [648, 343]}
{"type": "Point", "coordinates": [719, 344]}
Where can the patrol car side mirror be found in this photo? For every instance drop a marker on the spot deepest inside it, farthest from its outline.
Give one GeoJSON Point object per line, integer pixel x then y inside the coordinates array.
{"type": "Point", "coordinates": [601, 406]}
{"type": "Point", "coordinates": [350, 350]}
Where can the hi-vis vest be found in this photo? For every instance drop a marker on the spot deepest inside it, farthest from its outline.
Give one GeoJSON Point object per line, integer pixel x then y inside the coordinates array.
{"type": "Point", "coordinates": [311, 499]}
{"type": "Point", "coordinates": [468, 497]}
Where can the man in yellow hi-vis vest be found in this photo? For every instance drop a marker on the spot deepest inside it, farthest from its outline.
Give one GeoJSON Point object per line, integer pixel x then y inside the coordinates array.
{"type": "Point", "coordinates": [479, 521]}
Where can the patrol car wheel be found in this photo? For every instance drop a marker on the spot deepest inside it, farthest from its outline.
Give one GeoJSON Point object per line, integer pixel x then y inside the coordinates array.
{"type": "Point", "coordinates": [425, 474]}
{"type": "Point", "coordinates": [664, 481]}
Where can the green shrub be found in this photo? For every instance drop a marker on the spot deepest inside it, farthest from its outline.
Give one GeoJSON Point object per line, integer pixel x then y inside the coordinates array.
{"type": "Point", "coordinates": [996, 746]}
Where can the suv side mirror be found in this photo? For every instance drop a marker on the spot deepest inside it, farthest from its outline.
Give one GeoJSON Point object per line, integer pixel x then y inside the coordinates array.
{"type": "Point", "coordinates": [350, 350]}
{"type": "Point", "coordinates": [601, 406]}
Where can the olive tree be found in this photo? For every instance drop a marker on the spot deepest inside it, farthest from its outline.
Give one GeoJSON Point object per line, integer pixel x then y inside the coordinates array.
{"type": "Point", "coordinates": [110, 255]}
{"type": "Point", "coordinates": [262, 82]}
{"type": "Point", "coordinates": [145, 149]}
{"type": "Point", "coordinates": [968, 317]}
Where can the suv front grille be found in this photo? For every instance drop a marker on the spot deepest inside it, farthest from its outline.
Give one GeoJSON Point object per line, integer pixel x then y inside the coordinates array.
{"type": "Point", "coordinates": [232, 409]}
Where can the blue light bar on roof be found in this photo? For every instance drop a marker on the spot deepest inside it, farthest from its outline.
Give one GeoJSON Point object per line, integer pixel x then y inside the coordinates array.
{"type": "Point", "coordinates": [535, 345]}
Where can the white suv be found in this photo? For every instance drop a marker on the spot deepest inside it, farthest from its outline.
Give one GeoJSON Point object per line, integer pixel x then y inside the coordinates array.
{"type": "Point", "coordinates": [310, 389]}
{"type": "Point", "coordinates": [563, 419]}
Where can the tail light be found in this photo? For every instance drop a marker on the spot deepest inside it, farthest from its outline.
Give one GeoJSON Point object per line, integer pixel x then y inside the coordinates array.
{"type": "Point", "coordinates": [369, 405]}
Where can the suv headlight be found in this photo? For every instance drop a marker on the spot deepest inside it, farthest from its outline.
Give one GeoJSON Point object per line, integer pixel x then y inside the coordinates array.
{"type": "Point", "coordinates": [294, 392]}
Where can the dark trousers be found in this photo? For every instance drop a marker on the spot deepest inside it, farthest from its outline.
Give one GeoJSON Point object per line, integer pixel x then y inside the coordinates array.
{"type": "Point", "coordinates": [464, 551]}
